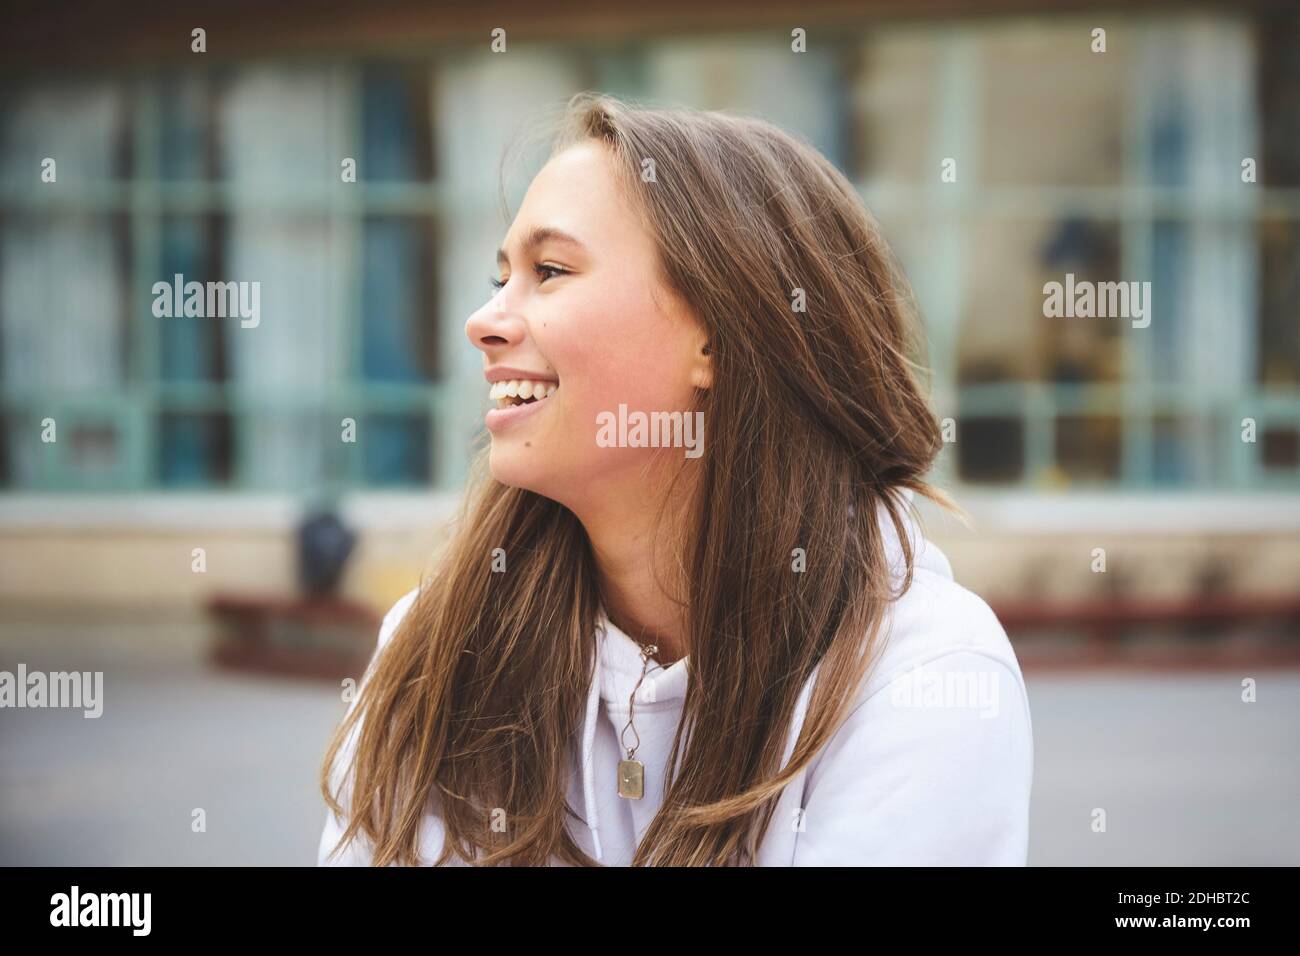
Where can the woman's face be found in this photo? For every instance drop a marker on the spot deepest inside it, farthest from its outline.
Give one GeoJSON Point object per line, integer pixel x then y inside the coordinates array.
{"type": "Point", "coordinates": [582, 309]}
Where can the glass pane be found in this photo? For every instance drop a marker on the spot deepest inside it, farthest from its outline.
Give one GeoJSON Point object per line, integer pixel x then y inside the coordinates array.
{"type": "Point", "coordinates": [1005, 335]}
{"type": "Point", "coordinates": [1051, 110]}
{"type": "Point", "coordinates": [892, 101]}
{"type": "Point", "coordinates": [399, 289]}
{"type": "Point", "coordinates": [1278, 89]}
{"type": "Point", "coordinates": [795, 91]}
{"type": "Point", "coordinates": [1279, 304]}
{"type": "Point", "coordinates": [11, 450]}
{"type": "Point", "coordinates": [1171, 113]}
{"type": "Point", "coordinates": [617, 68]}
{"type": "Point", "coordinates": [63, 287]}
{"type": "Point", "coordinates": [92, 450]}
{"type": "Point", "coordinates": [194, 449]}
{"type": "Point", "coordinates": [294, 346]}
{"type": "Point", "coordinates": [911, 241]}
{"type": "Point", "coordinates": [289, 449]}
{"type": "Point", "coordinates": [25, 459]}
{"type": "Point", "coordinates": [185, 128]}
{"type": "Point", "coordinates": [192, 348]}
{"type": "Point", "coordinates": [1280, 448]}
{"type": "Point", "coordinates": [1088, 448]}
{"type": "Point", "coordinates": [281, 127]}
{"type": "Point", "coordinates": [1171, 267]}
{"type": "Point", "coordinates": [294, 353]}
{"type": "Point", "coordinates": [82, 126]}
{"type": "Point", "coordinates": [1182, 451]}
{"type": "Point", "coordinates": [395, 116]}
{"type": "Point", "coordinates": [990, 449]}
{"type": "Point", "coordinates": [396, 449]}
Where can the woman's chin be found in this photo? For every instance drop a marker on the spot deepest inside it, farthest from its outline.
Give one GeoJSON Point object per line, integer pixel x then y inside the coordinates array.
{"type": "Point", "coordinates": [514, 466]}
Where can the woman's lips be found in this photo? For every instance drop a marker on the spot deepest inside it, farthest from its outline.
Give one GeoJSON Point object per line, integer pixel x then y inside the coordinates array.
{"type": "Point", "coordinates": [498, 418]}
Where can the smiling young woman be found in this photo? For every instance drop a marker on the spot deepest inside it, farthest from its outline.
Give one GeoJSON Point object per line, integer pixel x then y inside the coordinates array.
{"type": "Point", "coordinates": [628, 655]}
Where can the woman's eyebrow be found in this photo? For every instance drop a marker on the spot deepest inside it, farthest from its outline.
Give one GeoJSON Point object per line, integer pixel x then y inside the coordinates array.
{"type": "Point", "coordinates": [538, 235]}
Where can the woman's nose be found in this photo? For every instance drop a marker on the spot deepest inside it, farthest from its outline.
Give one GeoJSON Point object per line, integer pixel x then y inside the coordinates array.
{"type": "Point", "coordinates": [492, 325]}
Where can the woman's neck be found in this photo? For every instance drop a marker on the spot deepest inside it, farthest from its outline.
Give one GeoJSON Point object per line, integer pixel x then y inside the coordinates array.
{"type": "Point", "coordinates": [638, 570]}
{"type": "Point", "coordinates": [670, 646]}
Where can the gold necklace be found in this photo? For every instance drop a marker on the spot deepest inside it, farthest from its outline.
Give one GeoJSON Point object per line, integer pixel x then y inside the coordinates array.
{"type": "Point", "coordinates": [631, 772]}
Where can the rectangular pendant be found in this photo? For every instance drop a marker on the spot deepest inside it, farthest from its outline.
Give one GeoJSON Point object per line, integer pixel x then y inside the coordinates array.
{"type": "Point", "coordinates": [631, 779]}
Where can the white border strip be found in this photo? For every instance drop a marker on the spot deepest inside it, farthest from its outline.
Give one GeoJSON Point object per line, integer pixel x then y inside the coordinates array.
{"type": "Point", "coordinates": [407, 511]}
{"type": "Point", "coordinates": [1034, 513]}
{"type": "Point", "coordinates": [1041, 513]}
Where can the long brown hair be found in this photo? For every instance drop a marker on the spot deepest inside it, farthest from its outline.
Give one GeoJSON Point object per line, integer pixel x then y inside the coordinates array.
{"type": "Point", "coordinates": [471, 709]}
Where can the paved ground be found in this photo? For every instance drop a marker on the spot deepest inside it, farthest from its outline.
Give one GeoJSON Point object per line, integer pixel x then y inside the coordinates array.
{"type": "Point", "coordinates": [1186, 772]}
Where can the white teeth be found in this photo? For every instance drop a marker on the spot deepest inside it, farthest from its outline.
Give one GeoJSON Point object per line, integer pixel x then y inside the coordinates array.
{"type": "Point", "coordinates": [522, 389]}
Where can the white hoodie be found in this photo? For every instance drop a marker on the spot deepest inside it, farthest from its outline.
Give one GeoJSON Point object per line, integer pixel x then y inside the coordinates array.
{"type": "Point", "coordinates": [933, 766]}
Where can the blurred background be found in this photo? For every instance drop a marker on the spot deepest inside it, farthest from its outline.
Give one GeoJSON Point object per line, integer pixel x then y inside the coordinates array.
{"type": "Point", "coordinates": [201, 532]}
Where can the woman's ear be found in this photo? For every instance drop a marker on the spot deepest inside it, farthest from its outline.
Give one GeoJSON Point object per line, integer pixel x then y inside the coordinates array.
{"type": "Point", "coordinates": [702, 364]}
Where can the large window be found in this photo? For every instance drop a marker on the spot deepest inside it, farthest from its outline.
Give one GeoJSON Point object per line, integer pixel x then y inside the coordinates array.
{"type": "Point", "coordinates": [1127, 166]}
{"type": "Point", "coordinates": [233, 175]}
{"type": "Point", "coordinates": [1117, 166]}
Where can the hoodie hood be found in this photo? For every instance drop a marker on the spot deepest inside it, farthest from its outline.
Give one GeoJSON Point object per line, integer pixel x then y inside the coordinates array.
{"type": "Point", "coordinates": [617, 666]}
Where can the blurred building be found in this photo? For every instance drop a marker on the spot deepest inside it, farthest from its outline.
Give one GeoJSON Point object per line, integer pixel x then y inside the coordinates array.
{"type": "Point", "coordinates": [999, 148]}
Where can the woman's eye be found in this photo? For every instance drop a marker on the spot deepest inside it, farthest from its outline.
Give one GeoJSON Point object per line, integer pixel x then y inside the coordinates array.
{"type": "Point", "coordinates": [545, 272]}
